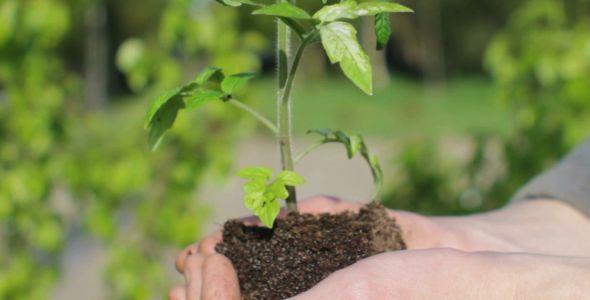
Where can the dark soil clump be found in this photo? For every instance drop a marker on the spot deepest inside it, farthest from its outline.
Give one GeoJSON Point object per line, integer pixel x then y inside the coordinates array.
{"type": "Point", "coordinates": [303, 249]}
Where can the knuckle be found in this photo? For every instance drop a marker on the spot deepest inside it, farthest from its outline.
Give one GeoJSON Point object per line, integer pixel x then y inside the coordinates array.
{"type": "Point", "coordinates": [182, 257]}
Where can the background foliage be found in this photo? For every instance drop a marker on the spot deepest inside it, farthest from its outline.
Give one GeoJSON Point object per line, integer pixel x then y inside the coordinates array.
{"type": "Point", "coordinates": [75, 78]}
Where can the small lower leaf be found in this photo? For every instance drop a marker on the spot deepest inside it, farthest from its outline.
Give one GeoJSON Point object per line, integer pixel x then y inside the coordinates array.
{"type": "Point", "coordinates": [268, 213]}
{"type": "Point", "coordinates": [255, 173]}
{"type": "Point", "coordinates": [290, 178]}
{"type": "Point", "coordinates": [278, 190]}
{"type": "Point", "coordinates": [253, 201]}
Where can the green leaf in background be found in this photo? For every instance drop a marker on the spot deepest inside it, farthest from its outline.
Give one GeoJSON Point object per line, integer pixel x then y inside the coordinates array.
{"type": "Point", "coordinates": [283, 9]}
{"type": "Point", "coordinates": [233, 82]}
{"type": "Point", "coordinates": [339, 41]}
{"type": "Point", "coordinates": [352, 10]}
{"type": "Point", "coordinates": [382, 29]}
{"type": "Point", "coordinates": [262, 195]}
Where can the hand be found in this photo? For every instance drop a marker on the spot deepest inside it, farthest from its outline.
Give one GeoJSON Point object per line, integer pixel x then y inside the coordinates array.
{"type": "Point", "coordinates": [201, 265]}
{"type": "Point", "coordinates": [539, 224]}
{"type": "Point", "coordinates": [452, 274]}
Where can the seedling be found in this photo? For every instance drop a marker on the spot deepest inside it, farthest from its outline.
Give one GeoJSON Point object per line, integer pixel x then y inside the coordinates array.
{"type": "Point", "coordinates": [330, 26]}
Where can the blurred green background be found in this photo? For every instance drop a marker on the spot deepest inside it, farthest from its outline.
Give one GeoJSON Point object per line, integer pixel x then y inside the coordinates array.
{"type": "Point", "coordinates": [473, 98]}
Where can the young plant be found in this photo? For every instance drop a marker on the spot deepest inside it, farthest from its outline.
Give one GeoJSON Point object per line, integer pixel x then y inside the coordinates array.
{"type": "Point", "coordinates": [330, 26]}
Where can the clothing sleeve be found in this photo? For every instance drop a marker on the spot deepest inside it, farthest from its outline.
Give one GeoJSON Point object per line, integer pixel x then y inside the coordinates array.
{"type": "Point", "coordinates": [568, 181]}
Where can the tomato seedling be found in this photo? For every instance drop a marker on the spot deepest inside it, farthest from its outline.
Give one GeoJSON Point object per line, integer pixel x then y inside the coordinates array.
{"type": "Point", "coordinates": [329, 26]}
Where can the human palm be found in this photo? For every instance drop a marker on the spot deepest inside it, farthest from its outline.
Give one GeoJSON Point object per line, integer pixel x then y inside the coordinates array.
{"type": "Point", "coordinates": [536, 227]}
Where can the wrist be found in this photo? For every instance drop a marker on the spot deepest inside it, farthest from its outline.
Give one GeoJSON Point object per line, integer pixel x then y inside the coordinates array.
{"type": "Point", "coordinates": [552, 277]}
{"type": "Point", "coordinates": [539, 226]}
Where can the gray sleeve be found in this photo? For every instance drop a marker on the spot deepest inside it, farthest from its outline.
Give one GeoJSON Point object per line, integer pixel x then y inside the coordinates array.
{"type": "Point", "coordinates": [568, 181]}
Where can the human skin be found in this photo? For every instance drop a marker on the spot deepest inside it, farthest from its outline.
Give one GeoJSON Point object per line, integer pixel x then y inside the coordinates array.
{"type": "Point", "coordinates": [532, 250]}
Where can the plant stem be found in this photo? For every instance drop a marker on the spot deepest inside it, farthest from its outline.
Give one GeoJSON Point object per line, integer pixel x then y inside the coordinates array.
{"type": "Point", "coordinates": [266, 122]}
{"type": "Point", "coordinates": [285, 135]}
{"type": "Point", "coordinates": [284, 104]}
{"type": "Point", "coordinates": [308, 149]}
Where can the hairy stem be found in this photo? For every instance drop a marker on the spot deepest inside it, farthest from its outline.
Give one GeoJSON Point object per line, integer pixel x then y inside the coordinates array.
{"type": "Point", "coordinates": [266, 122]}
{"type": "Point", "coordinates": [309, 149]}
{"type": "Point", "coordinates": [284, 121]}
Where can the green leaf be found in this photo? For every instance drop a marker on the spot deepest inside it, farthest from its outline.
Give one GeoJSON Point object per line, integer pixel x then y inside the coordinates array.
{"type": "Point", "coordinates": [200, 96]}
{"type": "Point", "coordinates": [290, 178]}
{"type": "Point", "coordinates": [255, 186]}
{"type": "Point", "coordinates": [233, 82]}
{"type": "Point", "coordinates": [268, 212]}
{"type": "Point", "coordinates": [261, 197]}
{"type": "Point", "coordinates": [283, 9]}
{"type": "Point", "coordinates": [253, 201]}
{"type": "Point", "coordinates": [158, 103]}
{"type": "Point", "coordinates": [382, 29]}
{"type": "Point", "coordinates": [278, 190]}
{"type": "Point", "coordinates": [376, 7]}
{"type": "Point", "coordinates": [321, 131]}
{"type": "Point", "coordinates": [163, 119]}
{"type": "Point", "coordinates": [352, 10]}
{"type": "Point", "coordinates": [354, 145]}
{"type": "Point", "coordinates": [236, 3]}
{"type": "Point", "coordinates": [330, 13]}
{"type": "Point", "coordinates": [210, 73]}
{"type": "Point", "coordinates": [254, 194]}
{"type": "Point", "coordinates": [255, 173]}
{"type": "Point", "coordinates": [339, 41]}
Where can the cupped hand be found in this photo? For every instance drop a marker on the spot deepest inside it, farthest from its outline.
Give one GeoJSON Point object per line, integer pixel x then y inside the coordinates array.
{"type": "Point", "coordinates": [527, 227]}
{"type": "Point", "coordinates": [453, 274]}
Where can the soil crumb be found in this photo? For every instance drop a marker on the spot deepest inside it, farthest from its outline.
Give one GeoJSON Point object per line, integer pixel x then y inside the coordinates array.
{"type": "Point", "coordinates": [303, 249]}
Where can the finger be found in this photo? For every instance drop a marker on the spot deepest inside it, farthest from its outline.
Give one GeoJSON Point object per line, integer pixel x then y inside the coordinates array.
{"type": "Point", "coordinates": [421, 232]}
{"type": "Point", "coordinates": [194, 276]}
{"type": "Point", "coordinates": [207, 246]}
{"type": "Point", "coordinates": [177, 293]}
{"type": "Point", "coordinates": [220, 281]}
{"type": "Point", "coordinates": [181, 258]}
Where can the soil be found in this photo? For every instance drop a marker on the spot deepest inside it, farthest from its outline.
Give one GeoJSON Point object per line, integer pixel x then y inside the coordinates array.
{"type": "Point", "coordinates": [303, 249]}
